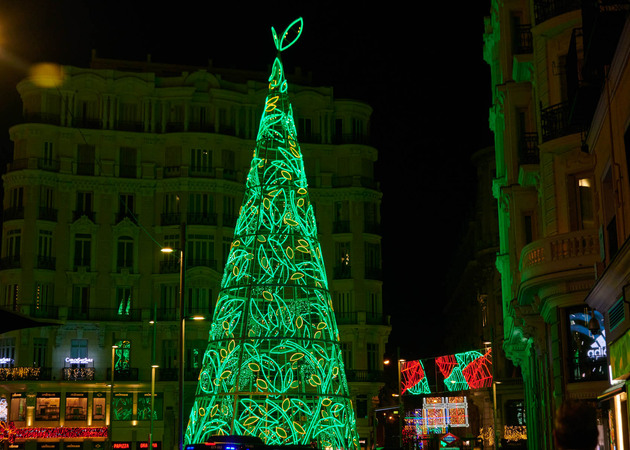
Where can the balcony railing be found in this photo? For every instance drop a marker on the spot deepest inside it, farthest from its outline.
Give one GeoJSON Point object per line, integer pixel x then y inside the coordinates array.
{"type": "Point", "coordinates": [548, 9]}
{"type": "Point", "coordinates": [47, 213]}
{"type": "Point", "coordinates": [556, 122]}
{"type": "Point", "coordinates": [555, 254]}
{"type": "Point", "coordinates": [25, 373]}
{"type": "Point", "coordinates": [76, 215]}
{"type": "Point", "coordinates": [78, 374]}
{"type": "Point", "coordinates": [341, 226]}
{"type": "Point", "coordinates": [13, 213]}
{"type": "Point", "coordinates": [46, 262]}
{"type": "Point", "coordinates": [130, 374]}
{"type": "Point", "coordinates": [103, 314]}
{"type": "Point", "coordinates": [44, 311]}
{"type": "Point", "coordinates": [10, 262]}
{"type": "Point", "coordinates": [201, 262]}
{"type": "Point", "coordinates": [171, 219]}
{"type": "Point", "coordinates": [365, 376]}
{"type": "Point", "coordinates": [342, 272]}
{"type": "Point", "coordinates": [201, 218]}
{"type": "Point", "coordinates": [51, 165]}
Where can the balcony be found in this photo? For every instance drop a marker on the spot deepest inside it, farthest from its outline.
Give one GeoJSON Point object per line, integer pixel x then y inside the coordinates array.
{"type": "Point", "coordinates": [202, 172]}
{"type": "Point", "coordinates": [130, 125]}
{"type": "Point", "coordinates": [172, 374]}
{"type": "Point", "coordinates": [548, 9]}
{"type": "Point", "coordinates": [25, 373]}
{"type": "Point", "coordinates": [50, 165]}
{"type": "Point", "coordinates": [130, 374]}
{"type": "Point", "coordinates": [103, 315]}
{"type": "Point", "coordinates": [229, 220]}
{"type": "Point", "coordinates": [346, 318]}
{"type": "Point", "coordinates": [556, 254]}
{"type": "Point", "coordinates": [365, 376]}
{"type": "Point", "coordinates": [47, 213]}
{"type": "Point", "coordinates": [169, 266]}
{"type": "Point", "coordinates": [127, 171]}
{"type": "Point", "coordinates": [172, 171]}
{"type": "Point", "coordinates": [523, 41]}
{"type": "Point", "coordinates": [341, 226]}
{"type": "Point", "coordinates": [557, 121]}
{"type": "Point", "coordinates": [10, 262]}
{"type": "Point", "coordinates": [40, 117]}
{"type": "Point", "coordinates": [44, 311]}
{"type": "Point", "coordinates": [78, 374]}
{"type": "Point", "coordinates": [374, 273]}
{"type": "Point", "coordinates": [171, 219]}
{"type": "Point", "coordinates": [13, 213]}
{"type": "Point", "coordinates": [342, 272]}
{"type": "Point", "coordinates": [46, 262]}
{"type": "Point", "coordinates": [204, 218]}
{"type": "Point", "coordinates": [201, 262]}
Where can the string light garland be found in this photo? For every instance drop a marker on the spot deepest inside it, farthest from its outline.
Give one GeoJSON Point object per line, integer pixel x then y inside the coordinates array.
{"type": "Point", "coordinates": [9, 432]}
{"type": "Point", "coordinates": [273, 366]}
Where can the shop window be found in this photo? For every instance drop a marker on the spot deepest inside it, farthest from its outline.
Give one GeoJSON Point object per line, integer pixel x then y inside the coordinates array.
{"type": "Point", "coordinates": [122, 406]}
{"type": "Point", "coordinates": [47, 406]}
{"type": "Point", "coordinates": [17, 412]}
{"type": "Point", "coordinates": [122, 356]}
{"type": "Point", "coordinates": [76, 406]}
{"type": "Point", "coordinates": [587, 346]}
{"type": "Point", "coordinates": [144, 406]}
{"type": "Point", "coordinates": [99, 402]}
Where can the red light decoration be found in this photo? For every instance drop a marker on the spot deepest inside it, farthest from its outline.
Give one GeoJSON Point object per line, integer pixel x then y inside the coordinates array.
{"type": "Point", "coordinates": [413, 378]}
{"type": "Point", "coordinates": [478, 373]}
{"type": "Point", "coordinates": [9, 432]}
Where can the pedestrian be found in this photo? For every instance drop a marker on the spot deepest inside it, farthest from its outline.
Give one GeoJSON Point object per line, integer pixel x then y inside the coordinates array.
{"type": "Point", "coordinates": [575, 426]}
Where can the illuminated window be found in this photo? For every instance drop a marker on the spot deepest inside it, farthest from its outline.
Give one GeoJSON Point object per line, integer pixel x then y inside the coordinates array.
{"type": "Point", "coordinates": [122, 356]}
{"type": "Point", "coordinates": [17, 412]}
{"type": "Point", "coordinates": [123, 297]}
{"type": "Point", "coordinates": [47, 406]}
{"type": "Point", "coordinates": [76, 406]}
{"type": "Point", "coordinates": [581, 202]}
{"type": "Point", "coordinates": [122, 406]}
{"type": "Point", "coordinates": [98, 406]}
{"type": "Point", "coordinates": [11, 296]}
{"type": "Point", "coordinates": [79, 350]}
{"type": "Point", "coordinates": [587, 347]}
{"type": "Point", "coordinates": [13, 246]}
{"type": "Point", "coordinates": [7, 352]}
{"type": "Point", "coordinates": [144, 406]}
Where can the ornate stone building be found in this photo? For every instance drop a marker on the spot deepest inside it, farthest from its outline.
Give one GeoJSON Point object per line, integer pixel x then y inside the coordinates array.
{"type": "Point", "coordinates": [106, 169]}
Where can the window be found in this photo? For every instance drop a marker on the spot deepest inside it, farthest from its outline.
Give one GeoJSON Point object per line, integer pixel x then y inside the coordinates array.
{"type": "Point", "coordinates": [44, 250]}
{"type": "Point", "coordinates": [98, 406]}
{"type": "Point", "coordinates": [48, 153]}
{"type": "Point", "coordinates": [76, 406]}
{"type": "Point", "coordinates": [200, 210]}
{"type": "Point", "coordinates": [47, 406]}
{"type": "Point", "coordinates": [79, 348]}
{"type": "Point", "coordinates": [372, 356]}
{"type": "Point", "coordinates": [80, 301]}
{"type": "Point", "coordinates": [7, 352]}
{"type": "Point", "coordinates": [169, 354]}
{"type": "Point", "coordinates": [346, 354]}
{"type": "Point", "coordinates": [128, 160]}
{"type": "Point", "coordinates": [18, 407]}
{"type": "Point", "coordinates": [123, 298]}
{"type": "Point", "coordinates": [82, 250]}
{"type": "Point", "coordinates": [168, 300]}
{"type": "Point", "coordinates": [343, 307]}
{"type": "Point", "coordinates": [43, 298]}
{"type": "Point", "coordinates": [198, 301]}
{"type": "Point", "coordinates": [16, 198]}
{"type": "Point", "coordinates": [122, 356]}
{"type": "Point", "coordinates": [11, 296]}
{"type": "Point", "coordinates": [85, 202]}
{"type": "Point", "coordinates": [46, 197]}
{"type": "Point", "coordinates": [126, 207]}
{"type": "Point", "coordinates": [229, 216]}
{"type": "Point", "coordinates": [125, 253]}
{"type": "Point", "coordinates": [14, 244]}
{"type": "Point", "coordinates": [200, 250]}
{"type": "Point", "coordinates": [171, 203]}
{"type": "Point", "coordinates": [372, 260]}
{"type": "Point", "coordinates": [85, 159]}
{"type": "Point", "coordinates": [515, 413]}
{"type": "Point", "coordinates": [373, 305]}
{"type": "Point", "coordinates": [226, 245]}
{"type": "Point", "coordinates": [581, 202]}
{"type": "Point", "coordinates": [200, 160]}
{"type": "Point", "coordinates": [39, 352]}
{"type": "Point", "coordinates": [357, 128]}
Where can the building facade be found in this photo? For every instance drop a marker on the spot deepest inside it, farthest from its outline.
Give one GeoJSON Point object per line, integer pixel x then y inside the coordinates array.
{"type": "Point", "coordinates": [107, 168]}
{"type": "Point", "coordinates": [549, 61]}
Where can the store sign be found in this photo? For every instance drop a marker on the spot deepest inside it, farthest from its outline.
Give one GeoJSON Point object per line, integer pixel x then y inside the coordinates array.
{"type": "Point", "coordinates": [157, 445]}
{"type": "Point", "coordinates": [79, 360]}
{"type": "Point", "coordinates": [121, 445]}
{"type": "Point", "coordinates": [6, 360]}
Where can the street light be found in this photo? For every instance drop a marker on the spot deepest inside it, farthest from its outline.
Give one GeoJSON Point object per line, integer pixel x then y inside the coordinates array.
{"type": "Point", "coordinates": [153, 367]}
{"type": "Point", "coordinates": [182, 348]}
{"type": "Point", "coordinates": [401, 406]}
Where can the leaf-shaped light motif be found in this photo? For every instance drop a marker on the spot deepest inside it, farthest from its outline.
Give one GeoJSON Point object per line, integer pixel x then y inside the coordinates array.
{"type": "Point", "coordinates": [273, 365]}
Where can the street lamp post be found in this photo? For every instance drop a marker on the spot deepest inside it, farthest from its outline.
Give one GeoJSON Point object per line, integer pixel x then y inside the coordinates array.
{"type": "Point", "coordinates": [401, 406]}
{"type": "Point", "coordinates": [111, 400]}
{"type": "Point", "coordinates": [182, 337]}
{"type": "Point", "coordinates": [153, 367]}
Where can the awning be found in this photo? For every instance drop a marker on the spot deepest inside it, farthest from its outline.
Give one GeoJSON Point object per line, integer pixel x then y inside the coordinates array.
{"type": "Point", "coordinates": [613, 390]}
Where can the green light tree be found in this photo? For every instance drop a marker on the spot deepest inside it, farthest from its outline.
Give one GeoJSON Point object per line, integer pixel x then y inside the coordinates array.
{"type": "Point", "coordinates": [273, 365]}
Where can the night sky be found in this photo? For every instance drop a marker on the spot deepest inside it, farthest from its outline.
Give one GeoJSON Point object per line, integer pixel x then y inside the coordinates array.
{"type": "Point", "coordinates": [422, 72]}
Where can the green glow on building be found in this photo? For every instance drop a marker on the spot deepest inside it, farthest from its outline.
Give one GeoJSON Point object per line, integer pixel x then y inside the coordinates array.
{"type": "Point", "coordinates": [273, 365]}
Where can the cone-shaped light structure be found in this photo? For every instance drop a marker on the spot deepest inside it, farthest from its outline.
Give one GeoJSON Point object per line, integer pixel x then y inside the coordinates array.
{"type": "Point", "coordinates": [273, 365]}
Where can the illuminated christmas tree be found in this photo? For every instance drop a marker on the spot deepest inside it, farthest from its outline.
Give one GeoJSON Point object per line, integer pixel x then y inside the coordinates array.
{"type": "Point", "coordinates": [273, 365]}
